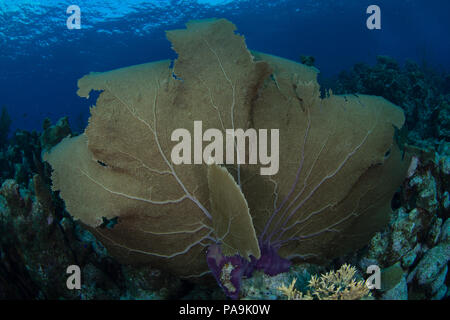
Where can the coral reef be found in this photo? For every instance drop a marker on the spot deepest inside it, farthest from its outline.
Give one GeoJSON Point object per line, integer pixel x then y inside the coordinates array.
{"type": "Point", "coordinates": [40, 239]}
{"type": "Point", "coordinates": [339, 285]}
{"type": "Point", "coordinates": [422, 92]}
{"type": "Point", "coordinates": [333, 285]}
{"type": "Point", "coordinates": [416, 238]}
{"type": "Point", "coordinates": [36, 248]}
{"type": "Point", "coordinates": [330, 192]}
{"type": "Point", "coordinates": [262, 286]}
{"type": "Point", "coordinates": [5, 123]}
{"type": "Point", "coordinates": [413, 249]}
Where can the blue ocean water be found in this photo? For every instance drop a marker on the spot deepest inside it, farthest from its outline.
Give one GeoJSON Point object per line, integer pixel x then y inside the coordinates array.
{"type": "Point", "coordinates": [41, 59]}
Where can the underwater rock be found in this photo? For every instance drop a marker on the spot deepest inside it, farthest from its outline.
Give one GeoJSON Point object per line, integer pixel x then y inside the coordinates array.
{"type": "Point", "coordinates": [445, 232]}
{"type": "Point", "coordinates": [427, 193]}
{"type": "Point", "coordinates": [432, 264]}
{"type": "Point", "coordinates": [398, 292]}
{"type": "Point", "coordinates": [443, 121]}
{"type": "Point", "coordinates": [18, 200]}
{"type": "Point", "coordinates": [145, 283]}
{"type": "Point", "coordinates": [427, 279]}
{"type": "Point", "coordinates": [393, 283]}
{"type": "Point", "coordinates": [434, 232]}
{"type": "Point", "coordinates": [418, 239]}
{"type": "Point", "coordinates": [439, 282]}
{"type": "Point", "coordinates": [96, 285]}
{"type": "Point", "coordinates": [444, 166]}
{"type": "Point", "coordinates": [430, 273]}
{"type": "Point", "coordinates": [205, 292]}
{"type": "Point", "coordinates": [400, 239]}
{"type": "Point", "coordinates": [31, 245]}
{"type": "Point", "coordinates": [410, 258]}
{"type": "Point", "coordinates": [391, 277]}
{"type": "Point", "coordinates": [263, 287]}
{"type": "Point", "coordinates": [441, 293]}
{"type": "Point", "coordinates": [427, 187]}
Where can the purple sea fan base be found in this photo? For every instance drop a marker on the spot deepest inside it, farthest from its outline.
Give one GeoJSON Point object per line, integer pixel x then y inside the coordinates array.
{"type": "Point", "coordinates": [269, 262]}
{"type": "Point", "coordinates": [229, 271]}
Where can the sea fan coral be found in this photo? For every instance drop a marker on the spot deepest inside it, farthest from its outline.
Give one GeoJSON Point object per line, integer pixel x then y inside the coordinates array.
{"type": "Point", "coordinates": [338, 170]}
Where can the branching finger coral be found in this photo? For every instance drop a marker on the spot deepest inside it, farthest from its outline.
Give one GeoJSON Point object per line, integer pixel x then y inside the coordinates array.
{"type": "Point", "coordinates": [293, 294]}
{"type": "Point", "coordinates": [333, 285]}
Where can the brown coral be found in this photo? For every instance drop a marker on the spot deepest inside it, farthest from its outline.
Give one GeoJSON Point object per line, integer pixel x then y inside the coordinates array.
{"type": "Point", "coordinates": [339, 166]}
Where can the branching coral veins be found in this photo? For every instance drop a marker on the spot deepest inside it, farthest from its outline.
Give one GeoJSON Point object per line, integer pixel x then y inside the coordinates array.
{"type": "Point", "coordinates": [339, 166]}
